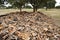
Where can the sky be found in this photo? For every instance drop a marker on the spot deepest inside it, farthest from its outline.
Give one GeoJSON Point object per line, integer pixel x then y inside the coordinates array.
{"type": "Point", "coordinates": [57, 3]}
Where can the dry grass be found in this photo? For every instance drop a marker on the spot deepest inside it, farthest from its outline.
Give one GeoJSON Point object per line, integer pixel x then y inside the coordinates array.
{"type": "Point", "coordinates": [54, 13]}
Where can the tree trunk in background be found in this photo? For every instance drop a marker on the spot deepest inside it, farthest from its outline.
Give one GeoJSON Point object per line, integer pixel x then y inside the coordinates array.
{"type": "Point", "coordinates": [20, 9]}
{"type": "Point", "coordinates": [34, 9]}
{"type": "Point", "coordinates": [46, 6]}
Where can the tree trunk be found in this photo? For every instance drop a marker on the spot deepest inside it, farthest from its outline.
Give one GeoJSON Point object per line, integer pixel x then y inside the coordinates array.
{"type": "Point", "coordinates": [46, 6]}
{"type": "Point", "coordinates": [34, 9]}
{"type": "Point", "coordinates": [20, 9]}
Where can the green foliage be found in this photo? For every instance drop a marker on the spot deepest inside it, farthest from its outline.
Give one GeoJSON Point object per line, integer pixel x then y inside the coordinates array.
{"type": "Point", "coordinates": [58, 7]}
{"type": "Point", "coordinates": [28, 7]}
{"type": "Point", "coordinates": [17, 3]}
{"type": "Point", "coordinates": [9, 7]}
{"type": "Point", "coordinates": [49, 3]}
{"type": "Point", "coordinates": [1, 2]}
{"type": "Point", "coordinates": [35, 4]}
{"type": "Point", "coordinates": [40, 3]}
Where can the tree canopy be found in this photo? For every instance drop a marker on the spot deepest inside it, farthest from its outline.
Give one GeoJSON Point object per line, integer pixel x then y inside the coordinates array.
{"type": "Point", "coordinates": [1, 2]}
{"type": "Point", "coordinates": [49, 3]}
{"type": "Point", "coordinates": [17, 3]}
{"type": "Point", "coordinates": [35, 3]}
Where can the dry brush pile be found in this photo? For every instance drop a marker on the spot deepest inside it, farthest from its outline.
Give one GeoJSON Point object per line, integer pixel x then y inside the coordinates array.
{"type": "Point", "coordinates": [28, 26]}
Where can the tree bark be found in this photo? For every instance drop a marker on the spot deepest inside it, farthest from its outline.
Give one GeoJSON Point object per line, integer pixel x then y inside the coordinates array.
{"type": "Point", "coordinates": [20, 9]}
{"type": "Point", "coordinates": [46, 6]}
{"type": "Point", "coordinates": [34, 9]}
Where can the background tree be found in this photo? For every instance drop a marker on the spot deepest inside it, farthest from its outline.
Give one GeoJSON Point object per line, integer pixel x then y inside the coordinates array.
{"type": "Point", "coordinates": [35, 4]}
{"type": "Point", "coordinates": [48, 3]}
{"type": "Point", "coordinates": [51, 4]}
{"type": "Point", "coordinates": [17, 3]}
{"type": "Point", "coordinates": [2, 2]}
{"type": "Point", "coordinates": [39, 3]}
